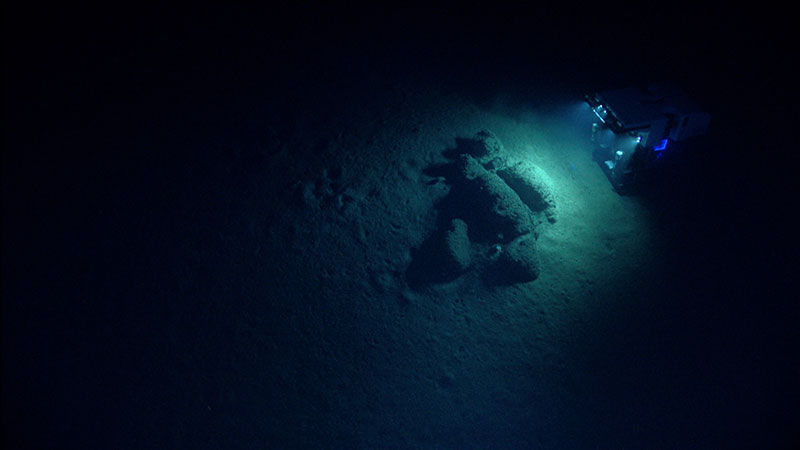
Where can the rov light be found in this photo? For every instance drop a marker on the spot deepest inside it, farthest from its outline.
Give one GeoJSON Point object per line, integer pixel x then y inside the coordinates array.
{"type": "Point", "coordinates": [638, 139]}
{"type": "Point", "coordinates": [601, 112]}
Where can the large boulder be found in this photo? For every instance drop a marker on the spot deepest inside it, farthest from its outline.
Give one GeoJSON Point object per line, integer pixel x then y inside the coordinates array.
{"type": "Point", "coordinates": [533, 186]}
{"type": "Point", "coordinates": [494, 209]}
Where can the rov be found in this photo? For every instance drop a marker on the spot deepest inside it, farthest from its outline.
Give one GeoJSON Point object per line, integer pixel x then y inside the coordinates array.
{"type": "Point", "coordinates": [639, 132]}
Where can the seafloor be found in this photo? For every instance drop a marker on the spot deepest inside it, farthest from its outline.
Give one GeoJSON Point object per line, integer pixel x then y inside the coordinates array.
{"type": "Point", "coordinates": [207, 248]}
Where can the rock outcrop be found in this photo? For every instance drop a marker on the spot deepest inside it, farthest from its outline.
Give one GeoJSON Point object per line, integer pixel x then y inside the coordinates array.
{"type": "Point", "coordinates": [499, 203]}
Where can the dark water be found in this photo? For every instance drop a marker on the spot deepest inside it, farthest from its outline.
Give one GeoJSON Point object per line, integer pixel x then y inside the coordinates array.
{"type": "Point", "coordinates": [131, 140]}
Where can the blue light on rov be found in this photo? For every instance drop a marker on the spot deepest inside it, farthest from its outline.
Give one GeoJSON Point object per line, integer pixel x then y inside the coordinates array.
{"type": "Point", "coordinates": [661, 145]}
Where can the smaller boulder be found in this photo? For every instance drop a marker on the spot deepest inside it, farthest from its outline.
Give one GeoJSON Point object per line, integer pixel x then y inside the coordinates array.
{"type": "Point", "coordinates": [484, 146]}
{"type": "Point", "coordinates": [457, 246]}
{"type": "Point", "coordinates": [518, 261]}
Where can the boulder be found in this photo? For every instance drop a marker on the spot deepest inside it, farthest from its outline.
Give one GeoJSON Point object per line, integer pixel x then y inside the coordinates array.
{"type": "Point", "coordinates": [492, 206]}
{"type": "Point", "coordinates": [518, 261]}
{"type": "Point", "coordinates": [533, 186]}
{"type": "Point", "coordinates": [457, 247]}
{"type": "Point", "coordinates": [484, 146]}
